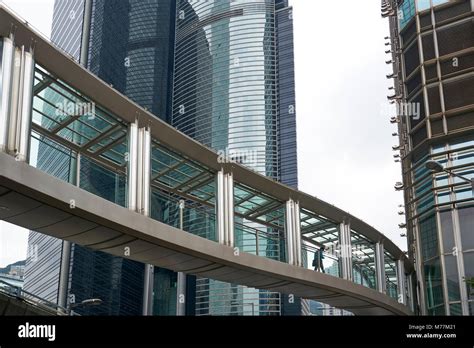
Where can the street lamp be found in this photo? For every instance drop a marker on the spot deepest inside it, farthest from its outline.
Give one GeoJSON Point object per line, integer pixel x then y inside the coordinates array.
{"type": "Point", "coordinates": [437, 167]}
{"type": "Point", "coordinates": [85, 303]}
{"type": "Point", "coordinates": [434, 166]}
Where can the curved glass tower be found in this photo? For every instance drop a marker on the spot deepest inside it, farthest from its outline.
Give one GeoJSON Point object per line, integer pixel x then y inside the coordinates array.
{"type": "Point", "coordinates": [226, 95]}
{"type": "Point", "coordinates": [433, 55]}
{"type": "Point", "coordinates": [225, 91]}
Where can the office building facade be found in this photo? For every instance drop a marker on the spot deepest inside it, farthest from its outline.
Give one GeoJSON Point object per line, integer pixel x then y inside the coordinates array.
{"type": "Point", "coordinates": [232, 63]}
{"type": "Point", "coordinates": [432, 52]}
{"type": "Point", "coordinates": [234, 92]}
{"type": "Point", "coordinates": [128, 44]}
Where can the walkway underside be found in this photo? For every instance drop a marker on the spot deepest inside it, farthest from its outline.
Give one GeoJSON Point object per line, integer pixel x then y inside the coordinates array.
{"type": "Point", "coordinates": [37, 201]}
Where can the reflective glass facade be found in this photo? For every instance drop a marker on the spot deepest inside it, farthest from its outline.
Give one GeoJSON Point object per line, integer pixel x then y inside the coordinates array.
{"type": "Point", "coordinates": [241, 56]}
{"type": "Point", "coordinates": [234, 91]}
{"type": "Point", "coordinates": [92, 274]}
{"type": "Point", "coordinates": [445, 226]}
{"type": "Point", "coordinates": [225, 91]}
{"type": "Point", "coordinates": [435, 122]}
{"type": "Point", "coordinates": [130, 47]}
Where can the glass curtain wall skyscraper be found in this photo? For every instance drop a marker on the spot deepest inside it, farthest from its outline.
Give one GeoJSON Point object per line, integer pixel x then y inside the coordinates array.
{"type": "Point", "coordinates": [234, 92]}
{"type": "Point", "coordinates": [433, 55]}
{"type": "Point", "coordinates": [129, 44]}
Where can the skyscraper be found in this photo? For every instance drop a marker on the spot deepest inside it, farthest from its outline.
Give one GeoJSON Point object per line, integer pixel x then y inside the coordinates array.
{"type": "Point", "coordinates": [234, 91]}
{"type": "Point", "coordinates": [220, 71]}
{"type": "Point", "coordinates": [129, 44]}
{"type": "Point", "coordinates": [432, 44]}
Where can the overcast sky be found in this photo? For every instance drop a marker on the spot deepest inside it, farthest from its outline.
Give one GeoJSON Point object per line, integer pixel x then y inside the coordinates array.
{"type": "Point", "coordinates": [344, 134]}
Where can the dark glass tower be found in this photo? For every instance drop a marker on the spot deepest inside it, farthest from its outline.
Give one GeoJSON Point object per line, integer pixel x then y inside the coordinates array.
{"type": "Point", "coordinates": [233, 90]}
{"type": "Point", "coordinates": [432, 51]}
{"type": "Point", "coordinates": [128, 44]}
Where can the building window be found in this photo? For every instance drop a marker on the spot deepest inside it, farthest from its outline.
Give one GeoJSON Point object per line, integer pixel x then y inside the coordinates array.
{"type": "Point", "coordinates": [466, 223]}
{"type": "Point", "coordinates": [434, 287]}
{"type": "Point", "coordinates": [429, 238]}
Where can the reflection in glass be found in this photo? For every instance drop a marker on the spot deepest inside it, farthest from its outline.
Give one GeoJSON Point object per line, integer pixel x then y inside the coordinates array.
{"type": "Point", "coordinates": [433, 286]}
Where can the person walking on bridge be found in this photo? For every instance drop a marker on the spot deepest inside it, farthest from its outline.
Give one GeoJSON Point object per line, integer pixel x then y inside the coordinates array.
{"type": "Point", "coordinates": [318, 259]}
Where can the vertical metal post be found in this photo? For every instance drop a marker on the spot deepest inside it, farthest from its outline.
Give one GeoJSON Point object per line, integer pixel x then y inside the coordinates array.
{"type": "Point", "coordinates": [380, 267]}
{"type": "Point", "coordinates": [343, 252]}
{"type": "Point", "coordinates": [220, 207]}
{"type": "Point", "coordinates": [402, 298]}
{"type": "Point", "coordinates": [14, 100]}
{"type": "Point", "coordinates": [21, 103]}
{"type": "Point", "coordinates": [297, 234]}
{"type": "Point", "coordinates": [143, 153]}
{"type": "Point", "coordinates": [147, 308]}
{"type": "Point", "coordinates": [181, 284]}
{"type": "Point", "coordinates": [230, 210]}
{"type": "Point", "coordinates": [66, 253]}
{"type": "Point", "coordinates": [26, 105]}
{"type": "Point", "coordinates": [226, 210]}
{"type": "Point", "coordinates": [420, 285]}
{"type": "Point", "coordinates": [132, 166]}
{"type": "Point", "coordinates": [411, 293]}
{"type": "Point", "coordinates": [460, 263]}
{"type": "Point", "coordinates": [346, 250]}
{"type": "Point", "coordinates": [86, 27]}
{"type": "Point", "coordinates": [289, 232]}
{"type": "Point", "coordinates": [64, 274]}
{"type": "Point", "coordinates": [6, 72]}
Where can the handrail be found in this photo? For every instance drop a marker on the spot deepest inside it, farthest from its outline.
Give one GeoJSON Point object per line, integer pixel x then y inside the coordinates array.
{"type": "Point", "coordinates": [18, 292]}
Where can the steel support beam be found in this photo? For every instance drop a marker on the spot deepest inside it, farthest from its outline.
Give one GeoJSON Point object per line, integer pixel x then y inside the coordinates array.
{"type": "Point", "coordinates": [6, 69]}
{"type": "Point", "coordinates": [139, 174]}
{"type": "Point", "coordinates": [86, 27]}
{"type": "Point", "coordinates": [230, 209]}
{"type": "Point", "coordinates": [143, 207]}
{"type": "Point", "coordinates": [401, 282]}
{"type": "Point", "coordinates": [21, 104]}
{"type": "Point", "coordinates": [380, 267]}
{"type": "Point", "coordinates": [181, 280]}
{"type": "Point", "coordinates": [225, 208]}
{"type": "Point", "coordinates": [289, 234]}
{"type": "Point", "coordinates": [297, 232]}
{"type": "Point", "coordinates": [293, 233]}
{"type": "Point", "coordinates": [132, 166]}
{"type": "Point", "coordinates": [346, 250]}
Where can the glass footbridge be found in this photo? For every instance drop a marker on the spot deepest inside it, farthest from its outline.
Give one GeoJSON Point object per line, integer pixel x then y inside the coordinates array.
{"type": "Point", "coordinates": [81, 162]}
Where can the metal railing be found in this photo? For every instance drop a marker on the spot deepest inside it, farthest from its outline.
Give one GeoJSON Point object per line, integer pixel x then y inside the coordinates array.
{"type": "Point", "coordinates": [31, 299]}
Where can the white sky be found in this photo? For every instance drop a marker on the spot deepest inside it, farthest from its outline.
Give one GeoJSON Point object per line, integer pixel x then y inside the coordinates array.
{"type": "Point", "coordinates": [344, 134]}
